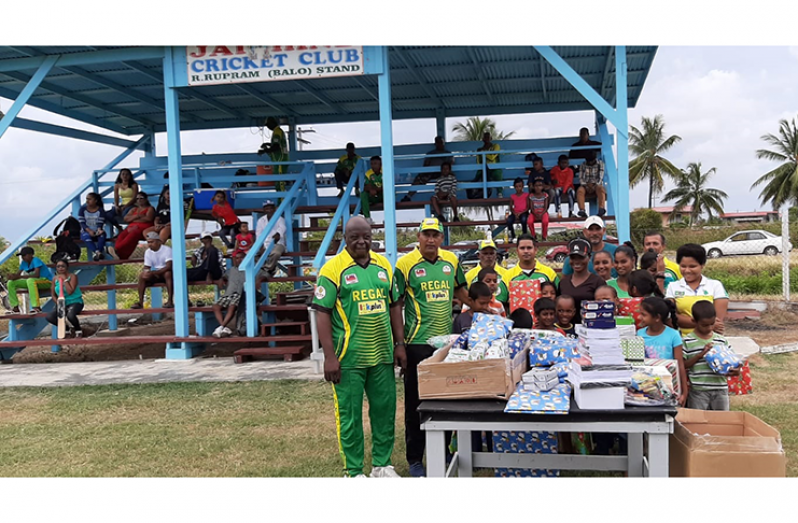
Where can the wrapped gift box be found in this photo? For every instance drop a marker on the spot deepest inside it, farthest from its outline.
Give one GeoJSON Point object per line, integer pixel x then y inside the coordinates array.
{"type": "Point", "coordinates": [634, 349]}
{"type": "Point", "coordinates": [722, 359]}
{"type": "Point", "coordinates": [525, 443]}
{"type": "Point", "coordinates": [524, 294]}
{"type": "Point", "coordinates": [741, 385]}
{"type": "Point", "coordinates": [671, 365]}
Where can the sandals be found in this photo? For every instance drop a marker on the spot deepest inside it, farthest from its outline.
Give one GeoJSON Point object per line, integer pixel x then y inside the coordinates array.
{"type": "Point", "coordinates": [136, 305]}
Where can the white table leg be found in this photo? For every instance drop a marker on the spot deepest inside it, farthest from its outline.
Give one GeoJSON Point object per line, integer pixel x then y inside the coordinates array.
{"type": "Point", "coordinates": [658, 455]}
{"type": "Point", "coordinates": [436, 454]}
{"type": "Point", "coordinates": [635, 455]}
{"type": "Point", "coordinates": [465, 463]}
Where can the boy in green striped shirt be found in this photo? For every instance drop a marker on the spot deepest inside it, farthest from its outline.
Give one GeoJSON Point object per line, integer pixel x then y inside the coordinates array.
{"type": "Point", "coordinates": [708, 390]}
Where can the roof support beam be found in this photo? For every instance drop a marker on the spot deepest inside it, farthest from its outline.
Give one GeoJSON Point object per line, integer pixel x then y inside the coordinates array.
{"type": "Point", "coordinates": [57, 109]}
{"type": "Point", "coordinates": [417, 76]}
{"type": "Point", "coordinates": [320, 97]}
{"type": "Point", "coordinates": [268, 100]}
{"type": "Point", "coordinates": [543, 78]}
{"type": "Point", "coordinates": [33, 83]}
{"type": "Point", "coordinates": [84, 58]}
{"type": "Point", "coordinates": [580, 84]}
{"type": "Point", "coordinates": [83, 99]}
{"type": "Point", "coordinates": [480, 72]}
{"type": "Point", "coordinates": [68, 132]}
{"type": "Point", "coordinates": [605, 76]}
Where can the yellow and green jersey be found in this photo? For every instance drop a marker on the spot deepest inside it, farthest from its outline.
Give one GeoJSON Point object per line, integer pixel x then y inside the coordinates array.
{"type": "Point", "coordinates": [374, 179]}
{"type": "Point", "coordinates": [490, 158]}
{"type": "Point", "coordinates": [502, 293]}
{"type": "Point", "coordinates": [347, 163]}
{"type": "Point", "coordinates": [358, 300]}
{"type": "Point", "coordinates": [428, 289]}
{"type": "Point", "coordinates": [540, 272]}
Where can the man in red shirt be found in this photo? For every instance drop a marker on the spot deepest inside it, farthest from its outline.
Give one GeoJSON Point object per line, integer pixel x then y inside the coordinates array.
{"type": "Point", "coordinates": [562, 179]}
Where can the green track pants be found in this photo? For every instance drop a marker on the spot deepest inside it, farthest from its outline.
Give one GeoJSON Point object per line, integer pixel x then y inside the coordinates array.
{"type": "Point", "coordinates": [367, 200]}
{"type": "Point", "coordinates": [379, 384]}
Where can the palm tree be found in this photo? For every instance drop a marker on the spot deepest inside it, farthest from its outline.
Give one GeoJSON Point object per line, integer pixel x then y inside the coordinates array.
{"type": "Point", "coordinates": [691, 190]}
{"type": "Point", "coordinates": [782, 182]}
{"type": "Point", "coordinates": [648, 146]}
{"type": "Point", "coordinates": [473, 129]}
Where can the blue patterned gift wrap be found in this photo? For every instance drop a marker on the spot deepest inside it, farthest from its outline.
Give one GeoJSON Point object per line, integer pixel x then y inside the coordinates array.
{"type": "Point", "coordinates": [536, 442]}
{"type": "Point", "coordinates": [722, 359]}
{"type": "Point", "coordinates": [551, 351]}
{"type": "Point", "coordinates": [554, 401]}
{"type": "Point", "coordinates": [488, 327]}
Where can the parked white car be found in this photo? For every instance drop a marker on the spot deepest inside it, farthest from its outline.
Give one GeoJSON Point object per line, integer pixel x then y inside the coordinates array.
{"type": "Point", "coordinates": [746, 242]}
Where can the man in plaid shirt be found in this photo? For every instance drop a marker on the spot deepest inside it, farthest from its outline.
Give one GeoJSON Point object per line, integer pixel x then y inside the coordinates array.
{"type": "Point", "coordinates": [591, 177]}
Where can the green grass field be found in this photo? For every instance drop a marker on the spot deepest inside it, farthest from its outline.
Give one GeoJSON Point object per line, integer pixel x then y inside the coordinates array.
{"type": "Point", "coordinates": [273, 429]}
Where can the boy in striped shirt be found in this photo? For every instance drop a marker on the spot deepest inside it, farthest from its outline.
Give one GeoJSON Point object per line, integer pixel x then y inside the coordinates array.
{"type": "Point", "coordinates": [445, 192]}
{"type": "Point", "coordinates": [708, 390]}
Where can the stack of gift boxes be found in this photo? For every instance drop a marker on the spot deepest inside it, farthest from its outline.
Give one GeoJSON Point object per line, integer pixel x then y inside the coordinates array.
{"type": "Point", "coordinates": [601, 375]}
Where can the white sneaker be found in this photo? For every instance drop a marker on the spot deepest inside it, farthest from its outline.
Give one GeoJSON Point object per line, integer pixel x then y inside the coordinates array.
{"type": "Point", "coordinates": [218, 332]}
{"type": "Point", "coordinates": [226, 331]}
{"type": "Point", "coordinates": [384, 472]}
{"type": "Point", "coordinates": [371, 222]}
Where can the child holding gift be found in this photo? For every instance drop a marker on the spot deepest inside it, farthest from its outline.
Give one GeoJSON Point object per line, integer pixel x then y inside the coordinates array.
{"type": "Point", "coordinates": [481, 297]}
{"type": "Point", "coordinates": [708, 390]}
{"type": "Point", "coordinates": [661, 341]}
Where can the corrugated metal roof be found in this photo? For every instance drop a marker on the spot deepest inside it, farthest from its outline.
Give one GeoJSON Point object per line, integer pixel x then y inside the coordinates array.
{"type": "Point", "coordinates": [127, 96]}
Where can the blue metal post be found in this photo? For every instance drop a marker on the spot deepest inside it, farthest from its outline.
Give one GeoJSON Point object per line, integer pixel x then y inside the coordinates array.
{"type": "Point", "coordinates": [172, 107]}
{"type": "Point", "coordinates": [27, 92]}
{"type": "Point", "coordinates": [610, 170]}
{"type": "Point", "coordinates": [621, 110]}
{"type": "Point", "coordinates": [110, 278]}
{"type": "Point", "coordinates": [440, 123]}
{"type": "Point", "coordinates": [386, 134]}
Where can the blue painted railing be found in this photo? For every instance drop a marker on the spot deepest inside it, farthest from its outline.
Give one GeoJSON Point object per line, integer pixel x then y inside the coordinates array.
{"type": "Point", "coordinates": [341, 213]}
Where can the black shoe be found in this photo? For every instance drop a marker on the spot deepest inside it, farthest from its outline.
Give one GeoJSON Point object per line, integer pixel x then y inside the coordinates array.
{"type": "Point", "coordinates": [406, 199]}
{"type": "Point", "coordinates": [340, 193]}
{"type": "Point", "coordinates": [602, 212]}
{"type": "Point", "coordinates": [582, 214]}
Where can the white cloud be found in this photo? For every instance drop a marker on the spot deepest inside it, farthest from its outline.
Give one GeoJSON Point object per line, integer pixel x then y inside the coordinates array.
{"type": "Point", "coordinates": [793, 50]}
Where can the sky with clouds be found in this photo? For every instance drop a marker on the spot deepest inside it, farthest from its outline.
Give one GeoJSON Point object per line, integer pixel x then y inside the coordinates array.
{"type": "Point", "coordinates": [720, 100]}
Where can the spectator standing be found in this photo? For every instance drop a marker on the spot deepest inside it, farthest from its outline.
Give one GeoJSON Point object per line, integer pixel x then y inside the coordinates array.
{"type": "Point", "coordinates": [655, 241]}
{"type": "Point", "coordinates": [359, 318]}
{"type": "Point", "coordinates": [227, 218]}
{"type": "Point", "coordinates": [538, 209]}
{"type": "Point", "coordinates": [277, 237]}
{"type": "Point", "coordinates": [591, 179]}
{"type": "Point", "coordinates": [372, 188]}
{"type": "Point", "coordinates": [445, 192]}
{"type": "Point", "coordinates": [157, 269]}
{"type": "Point", "coordinates": [562, 179]}
{"type": "Point", "coordinates": [138, 220]}
{"type": "Point", "coordinates": [519, 209]}
{"type": "Point", "coordinates": [593, 231]}
{"type": "Point", "coordinates": [488, 259]}
{"type": "Point", "coordinates": [345, 167]}
{"type": "Point", "coordinates": [580, 284]}
{"type": "Point", "coordinates": [277, 148]}
{"type": "Point", "coordinates": [493, 175]}
{"type": "Point", "coordinates": [528, 266]}
{"type": "Point", "coordinates": [92, 220]}
{"type": "Point", "coordinates": [73, 299]}
{"type": "Point", "coordinates": [33, 275]}
{"type": "Point", "coordinates": [436, 163]}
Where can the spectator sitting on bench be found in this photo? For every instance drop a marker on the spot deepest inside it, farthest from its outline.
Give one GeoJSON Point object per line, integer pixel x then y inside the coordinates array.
{"type": "Point", "coordinates": [208, 262]}
{"type": "Point", "coordinates": [584, 139]}
{"type": "Point", "coordinates": [372, 188]}
{"type": "Point", "coordinates": [157, 269]}
{"type": "Point", "coordinates": [343, 169]}
{"type": "Point", "coordinates": [92, 219]}
{"type": "Point", "coordinates": [73, 299]}
{"type": "Point", "coordinates": [139, 220]}
{"type": "Point", "coordinates": [34, 275]}
{"type": "Point", "coordinates": [244, 239]}
{"type": "Point", "coordinates": [591, 177]}
{"type": "Point", "coordinates": [223, 212]}
{"type": "Point", "coordinates": [125, 191]}
{"type": "Point", "coordinates": [539, 172]}
{"type": "Point", "coordinates": [425, 177]}
{"type": "Point", "coordinates": [277, 237]}
{"type": "Point", "coordinates": [445, 192]}
{"type": "Point", "coordinates": [163, 216]}
{"type": "Point", "coordinates": [232, 295]}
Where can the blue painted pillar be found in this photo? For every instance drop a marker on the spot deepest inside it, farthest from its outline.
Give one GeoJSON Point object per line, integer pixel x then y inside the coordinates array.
{"type": "Point", "coordinates": [621, 110]}
{"type": "Point", "coordinates": [172, 106]}
{"type": "Point", "coordinates": [292, 143]}
{"type": "Point", "coordinates": [440, 123]}
{"type": "Point", "coordinates": [386, 135]}
{"type": "Point", "coordinates": [610, 170]}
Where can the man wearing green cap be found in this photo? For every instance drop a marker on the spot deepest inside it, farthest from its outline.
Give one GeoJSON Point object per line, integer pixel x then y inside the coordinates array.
{"type": "Point", "coordinates": [426, 281]}
{"type": "Point", "coordinates": [487, 260]}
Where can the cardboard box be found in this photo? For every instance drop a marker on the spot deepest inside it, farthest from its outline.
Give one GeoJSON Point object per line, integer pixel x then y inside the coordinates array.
{"type": "Point", "coordinates": [484, 379]}
{"type": "Point", "coordinates": [725, 444]}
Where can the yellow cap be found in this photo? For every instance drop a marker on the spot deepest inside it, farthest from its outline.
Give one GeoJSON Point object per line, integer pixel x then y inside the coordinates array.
{"type": "Point", "coordinates": [431, 224]}
{"type": "Point", "coordinates": [486, 243]}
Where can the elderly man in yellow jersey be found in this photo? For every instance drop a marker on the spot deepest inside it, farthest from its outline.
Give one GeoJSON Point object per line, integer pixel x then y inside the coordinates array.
{"type": "Point", "coordinates": [528, 267]}
{"type": "Point", "coordinates": [426, 279]}
{"type": "Point", "coordinates": [487, 260]}
{"type": "Point", "coordinates": [360, 329]}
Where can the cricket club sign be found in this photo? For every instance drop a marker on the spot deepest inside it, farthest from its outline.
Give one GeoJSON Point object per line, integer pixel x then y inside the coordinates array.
{"type": "Point", "coordinates": [225, 64]}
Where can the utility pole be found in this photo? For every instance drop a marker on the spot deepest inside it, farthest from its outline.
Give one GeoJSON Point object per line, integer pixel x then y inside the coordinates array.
{"type": "Point", "coordinates": [301, 141]}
